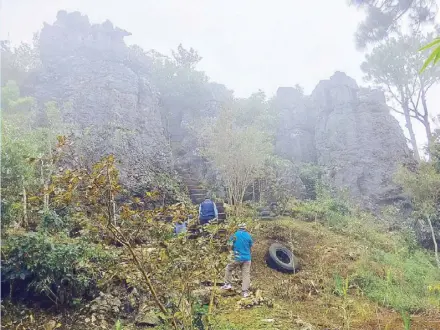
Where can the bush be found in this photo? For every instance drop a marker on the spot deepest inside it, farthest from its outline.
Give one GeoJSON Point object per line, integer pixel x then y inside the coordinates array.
{"type": "Point", "coordinates": [51, 222]}
{"type": "Point", "coordinates": [60, 268]}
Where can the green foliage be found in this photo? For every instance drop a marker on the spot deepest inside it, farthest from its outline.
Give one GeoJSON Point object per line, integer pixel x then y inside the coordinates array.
{"type": "Point", "coordinates": [238, 152]}
{"type": "Point", "coordinates": [58, 267]}
{"type": "Point", "coordinates": [200, 311]}
{"type": "Point", "coordinates": [406, 318]}
{"type": "Point", "coordinates": [118, 325]}
{"type": "Point", "coordinates": [52, 223]}
{"type": "Point", "coordinates": [10, 93]}
{"type": "Point", "coordinates": [27, 154]}
{"type": "Point", "coordinates": [279, 182]}
{"type": "Point", "coordinates": [423, 186]}
{"type": "Point", "coordinates": [340, 285]}
{"type": "Point", "coordinates": [399, 279]}
{"type": "Point", "coordinates": [393, 271]}
{"type": "Point", "coordinates": [335, 212]}
{"type": "Point", "coordinates": [18, 62]}
{"type": "Point", "coordinates": [310, 176]}
{"type": "Point", "coordinates": [435, 54]}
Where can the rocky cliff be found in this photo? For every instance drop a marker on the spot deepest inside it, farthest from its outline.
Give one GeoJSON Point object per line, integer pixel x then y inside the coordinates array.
{"type": "Point", "coordinates": [349, 132]}
{"type": "Point", "coordinates": [104, 94]}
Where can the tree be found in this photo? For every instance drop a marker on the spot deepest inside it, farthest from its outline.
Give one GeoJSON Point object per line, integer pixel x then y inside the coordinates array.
{"type": "Point", "coordinates": [423, 186]}
{"type": "Point", "coordinates": [238, 152]}
{"type": "Point", "coordinates": [26, 155]}
{"type": "Point", "coordinates": [384, 17]}
{"type": "Point", "coordinates": [255, 110]}
{"type": "Point", "coordinates": [18, 63]}
{"type": "Point", "coordinates": [186, 58]}
{"type": "Point", "coordinates": [394, 65]}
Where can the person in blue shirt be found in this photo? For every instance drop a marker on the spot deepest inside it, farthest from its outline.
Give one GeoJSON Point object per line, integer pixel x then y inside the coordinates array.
{"type": "Point", "coordinates": [207, 211]}
{"type": "Point", "coordinates": [242, 249]}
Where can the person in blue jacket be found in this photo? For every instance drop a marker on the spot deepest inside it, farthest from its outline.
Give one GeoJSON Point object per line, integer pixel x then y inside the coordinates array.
{"type": "Point", "coordinates": [207, 211]}
{"type": "Point", "coordinates": [242, 249]}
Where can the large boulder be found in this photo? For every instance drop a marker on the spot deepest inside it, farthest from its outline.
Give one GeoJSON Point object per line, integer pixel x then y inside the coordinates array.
{"type": "Point", "coordinates": [105, 96]}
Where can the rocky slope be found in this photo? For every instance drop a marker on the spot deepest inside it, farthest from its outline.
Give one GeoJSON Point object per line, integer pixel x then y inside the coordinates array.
{"type": "Point", "coordinates": [348, 131]}
{"type": "Point", "coordinates": [104, 95]}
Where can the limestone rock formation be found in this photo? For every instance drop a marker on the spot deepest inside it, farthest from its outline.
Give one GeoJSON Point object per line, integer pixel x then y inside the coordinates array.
{"type": "Point", "coordinates": [104, 95]}
{"type": "Point", "coordinates": [357, 138]}
{"type": "Point", "coordinates": [296, 130]}
{"type": "Point", "coordinates": [349, 132]}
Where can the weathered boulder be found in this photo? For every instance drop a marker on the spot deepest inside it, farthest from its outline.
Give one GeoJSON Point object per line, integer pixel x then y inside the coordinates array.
{"type": "Point", "coordinates": [148, 318]}
{"type": "Point", "coordinates": [105, 98]}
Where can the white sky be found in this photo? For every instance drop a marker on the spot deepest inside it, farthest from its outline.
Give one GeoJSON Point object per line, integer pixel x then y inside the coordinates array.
{"type": "Point", "coordinates": [245, 44]}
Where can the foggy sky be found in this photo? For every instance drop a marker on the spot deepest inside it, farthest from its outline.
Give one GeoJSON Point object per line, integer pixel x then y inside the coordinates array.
{"type": "Point", "coordinates": [246, 44]}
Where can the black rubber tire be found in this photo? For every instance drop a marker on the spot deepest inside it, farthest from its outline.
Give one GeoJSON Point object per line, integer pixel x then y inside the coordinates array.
{"type": "Point", "coordinates": [281, 258]}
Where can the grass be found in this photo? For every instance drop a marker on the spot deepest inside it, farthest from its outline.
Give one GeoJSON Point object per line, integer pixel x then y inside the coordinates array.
{"type": "Point", "coordinates": [391, 269]}
{"type": "Point", "coordinates": [355, 274]}
{"type": "Point", "coordinates": [399, 280]}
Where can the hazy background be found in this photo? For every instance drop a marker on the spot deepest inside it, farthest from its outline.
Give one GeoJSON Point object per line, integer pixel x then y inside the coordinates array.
{"type": "Point", "coordinates": [247, 44]}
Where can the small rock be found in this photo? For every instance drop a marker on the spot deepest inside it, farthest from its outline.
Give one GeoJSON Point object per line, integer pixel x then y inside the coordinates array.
{"type": "Point", "coordinates": [202, 295]}
{"type": "Point", "coordinates": [148, 319]}
{"type": "Point", "coordinates": [268, 320]}
{"type": "Point", "coordinates": [51, 325]}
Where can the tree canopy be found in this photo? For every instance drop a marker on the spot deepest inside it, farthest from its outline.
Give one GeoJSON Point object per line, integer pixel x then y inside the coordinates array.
{"type": "Point", "coordinates": [385, 16]}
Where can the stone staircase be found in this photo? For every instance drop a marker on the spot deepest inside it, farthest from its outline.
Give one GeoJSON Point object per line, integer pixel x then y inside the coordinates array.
{"type": "Point", "coordinates": [198, 193]}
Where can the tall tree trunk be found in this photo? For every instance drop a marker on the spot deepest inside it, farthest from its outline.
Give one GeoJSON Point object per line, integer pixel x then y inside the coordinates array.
{"type": "Point", "coordinates": [45, 185]}
{"type": "Point", "coordinates": [25, 215]}
{"type": "Point", "coordinates": [409, 126]}
{"type": "Point", "coordinates": [437, 258]}
{"type": "Point", "coordinates": [426, 122]}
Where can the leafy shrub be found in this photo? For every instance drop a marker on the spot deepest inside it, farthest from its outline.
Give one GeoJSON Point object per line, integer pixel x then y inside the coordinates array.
{"type": "Point", "coordinates": [52, 222]}
{"type": "Point", "coordinates": [60, 268]}
{"type": "Point", "coordinates": [310, 176]}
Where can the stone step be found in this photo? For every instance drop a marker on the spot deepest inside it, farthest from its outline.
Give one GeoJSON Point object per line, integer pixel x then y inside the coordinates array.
{"type": "Point", "coordinates": [198, 196]}
{"type": "Point", "coordinates": [265, 213]}
{"type": "Point", "coordinates": [194, 187]}
{"type": "Point", "coordinates": [267, 218]}
{"type": "Point", "coordinates": [191, 183]}
{"type": "Point", "coordinates": [197, 191]}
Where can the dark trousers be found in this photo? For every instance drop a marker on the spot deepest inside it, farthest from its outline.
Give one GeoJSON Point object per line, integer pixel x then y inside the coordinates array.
{"type": "Point", "coordinates": [205, 221]}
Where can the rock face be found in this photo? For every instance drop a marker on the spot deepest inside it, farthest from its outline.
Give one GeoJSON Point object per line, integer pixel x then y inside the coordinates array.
{"type": "Point", "coordinates": [106, 97]}
{"type": "Point", "coordinates": [349, 132]}
{"type": "Point", "coordinates": [296, 130]}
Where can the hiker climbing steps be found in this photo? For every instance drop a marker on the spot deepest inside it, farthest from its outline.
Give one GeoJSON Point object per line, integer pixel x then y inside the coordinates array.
{"type": "Point", "coordinates": [198, 193]}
